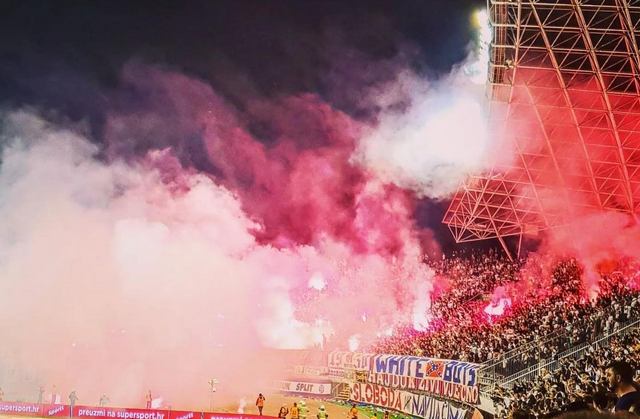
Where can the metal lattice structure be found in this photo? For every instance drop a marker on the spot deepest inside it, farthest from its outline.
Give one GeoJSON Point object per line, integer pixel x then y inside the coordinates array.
{"type": "Point", "coordinates": [564, 91]}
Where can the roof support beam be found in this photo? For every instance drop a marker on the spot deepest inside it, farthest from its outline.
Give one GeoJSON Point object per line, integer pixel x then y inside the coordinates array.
{"type": "Point", "coordinates": [567, 98]}
{"type": "Point", "coordinates": [605, 96]}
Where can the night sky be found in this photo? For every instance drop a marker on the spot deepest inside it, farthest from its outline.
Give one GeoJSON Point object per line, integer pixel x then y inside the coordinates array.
{"type": "Point", "coordinates": [64, 58]}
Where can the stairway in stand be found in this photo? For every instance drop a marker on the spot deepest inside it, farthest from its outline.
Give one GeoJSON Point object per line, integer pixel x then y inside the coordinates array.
{"type": "Point", "coordinates": [342, 392]}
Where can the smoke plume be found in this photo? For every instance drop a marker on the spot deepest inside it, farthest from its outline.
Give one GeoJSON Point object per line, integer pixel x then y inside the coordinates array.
{"type": "Point", "coordinates": [191, 237]}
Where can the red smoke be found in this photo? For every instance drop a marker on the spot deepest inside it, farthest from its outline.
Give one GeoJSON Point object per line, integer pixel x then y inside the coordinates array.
{"type": "Point", "coordinates": [300, 184]}
{"type": "Point", "coordinates": [204, 234]}
{"type": "Point", "coordinates": [569, 151]}
{"type": "Point", "coordinates": [248, 226]}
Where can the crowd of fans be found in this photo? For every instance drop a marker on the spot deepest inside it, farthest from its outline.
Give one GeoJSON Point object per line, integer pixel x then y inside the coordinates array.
{"type": "Point", "coordinates": [538, 327]}
{"type": "Point", "coordinates": [574, 384]}
{"type": "Point", "coordinates": [573, 324]}
{"type": "Point", "coordinates": [468, 276]}
{"type": "Point", "coordinates": [550, 317]}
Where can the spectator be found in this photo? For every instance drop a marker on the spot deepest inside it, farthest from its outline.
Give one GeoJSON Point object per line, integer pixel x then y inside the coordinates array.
{"type": "Point", "coordinates": [601, 402]}
{"type": "Point", "coordinates": [620, 379]}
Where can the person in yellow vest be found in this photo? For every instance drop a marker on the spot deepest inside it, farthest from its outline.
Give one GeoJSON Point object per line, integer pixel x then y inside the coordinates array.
{"type": "Point", "coordinates": [303, 410]}
{"type": "Point", "coordinates": [353, 412]}
{"type": "Point", "coordinates": [260, 403]}
{"type": "Point", "coordinates": [295, 412]}
{"type": "Point", "coordinates": [322, 413]}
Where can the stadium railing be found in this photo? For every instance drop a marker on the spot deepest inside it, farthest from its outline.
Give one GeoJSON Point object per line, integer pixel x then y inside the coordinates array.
{"type": "Point", "coordinates": [533, 371]}
{"type": "Point", "coordinates": [519, 358]}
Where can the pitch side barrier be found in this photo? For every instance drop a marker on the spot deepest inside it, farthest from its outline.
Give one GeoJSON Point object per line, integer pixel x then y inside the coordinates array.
{"type": "Point", "coordinates": [63, 410]}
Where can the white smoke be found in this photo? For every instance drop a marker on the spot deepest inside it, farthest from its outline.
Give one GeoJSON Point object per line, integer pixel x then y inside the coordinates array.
{"type": "Point", "coordinates": [420, 313]}
{"type": "Point", "coordinates": [118, 270]}
{"type": "Point", "coordinates": [242, 405]}
{"type": "Point", "coordinates": [101, 262]}
{"type": "Point", "coordinates": [317, 281]}
{"type": "Point", "coordinates": [353, 343]}
{"type": "Point", "coordinates": [430, 135]}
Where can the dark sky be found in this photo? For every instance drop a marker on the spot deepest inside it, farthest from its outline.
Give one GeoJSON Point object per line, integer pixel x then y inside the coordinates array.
{"type": "Point", "coordinates": [64, 57]}
{"type": "Point", "coordinates": [268, 46]}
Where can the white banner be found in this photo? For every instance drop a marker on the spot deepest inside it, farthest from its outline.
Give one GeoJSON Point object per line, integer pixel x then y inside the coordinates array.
{"type": "Point", "coordinates": [445, 378]}
{"type": "Point", "coordinates": [412, 404]}
{"type": "Point", "coordinates": [311, 371]}
{"type": "Point", "coordinates": [321, 389]}
{"type": "Point", "coordinates": [355, 360]}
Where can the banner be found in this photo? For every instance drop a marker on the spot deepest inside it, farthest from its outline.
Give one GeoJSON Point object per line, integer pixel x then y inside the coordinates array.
{"type": "Point", "coordinates": [440, 388]}
{"type": "Point", "coordinates": [459, 372]}
{"type": "Point", "coordinates": [341, 375]}
{"type": "Point", "coordinates": [455, 380]}
{"type": "Point", "coordinates": [456, 372]}
{"type": "Point", "coordinates": [355, 360]}
{"type": "Point", "coordinates": [20, 409]}
{"type": "Point", "coordinates": [120, 413]}
{"type": "Point", "coordinates": [424, 406]}
{"type": "Point", "coordinates": [361, 376]}
{"type": "Point", "coordinates": [233, 416]}
{"type": "Point", "coordinates": [184, 414]}
{"type": "Point", "coordinates": [418, 405]}
{"type": "Point", "coordinates": [310, 371]}
{"type": "Point", "coordinates": [320, 389]}
{"type": "Point", "coordinates": [59, 410]}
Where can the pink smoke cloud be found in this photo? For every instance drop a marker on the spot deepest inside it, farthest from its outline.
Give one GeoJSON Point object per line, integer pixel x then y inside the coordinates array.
{"type": "Point", "coordinates": [184, 250]}
{"type": "Point", "coordinates": [123, 268]}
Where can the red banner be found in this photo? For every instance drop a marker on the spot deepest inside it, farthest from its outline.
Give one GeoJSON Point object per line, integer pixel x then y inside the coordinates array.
{"type": "Point", "coordinates": [20, 409]}
{"type": "Point", "coordinates": [233, 416]}
{"type": "Point", "coordinates": [56, 410]}
{"type": "Point", "coordinates": [184, 414]}
{"type": "Point", "coordinates": [62, 410]}
{"type": "Point", "coordinates": [118, 413]}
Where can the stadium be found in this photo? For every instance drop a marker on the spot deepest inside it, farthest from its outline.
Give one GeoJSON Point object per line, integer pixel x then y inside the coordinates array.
{"type": "Point", "coordinates": [324, 209]}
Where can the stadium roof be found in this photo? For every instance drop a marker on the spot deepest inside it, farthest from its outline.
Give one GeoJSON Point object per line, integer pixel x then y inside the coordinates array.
{"type": "Point", "coordinates": [564, 89]}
